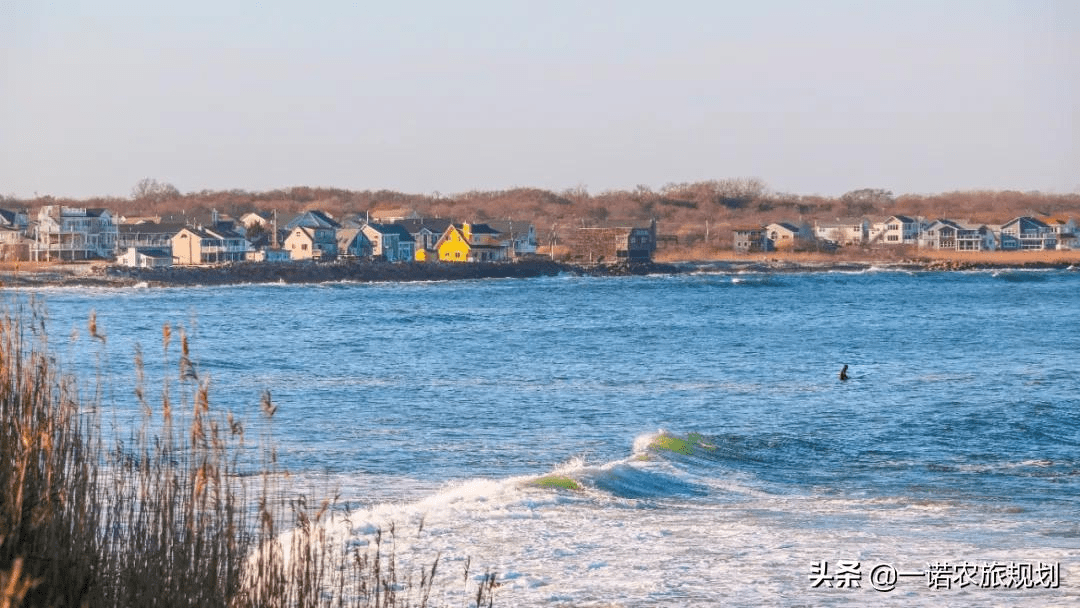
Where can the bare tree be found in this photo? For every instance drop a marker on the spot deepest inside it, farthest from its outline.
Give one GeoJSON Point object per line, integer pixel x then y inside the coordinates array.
{"type": "Point", "coordinates": [151, 189]}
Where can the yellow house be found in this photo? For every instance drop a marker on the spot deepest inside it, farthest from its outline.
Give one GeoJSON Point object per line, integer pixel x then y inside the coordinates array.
{"type": "Point", "coordinates": [454, 244]}
{"type": "Point", "coordinates": [471, 243]}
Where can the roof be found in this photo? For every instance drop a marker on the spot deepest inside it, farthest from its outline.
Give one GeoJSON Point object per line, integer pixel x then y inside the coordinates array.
{"type": "Point", "coordinates": [211, 233]}
{"type": "Point", "coordinates": [7, 216]}
{"type": "Point", "coordinates": [346, 236]}
{"type": "Point", "coordinates": [313, 219]}
{"type": "Point", "coordinates": [1027, 219]}
{"type": "Point", "coordinates": [478, 228]}
{"type": "Point", "coordinates": [387, 213]}
{"type": "Point", "coordinates": [397, 229]}
{"type": "Point", "coordinates": [511, 227]}
{"type": "Point", "coordinates": [435, 225]}
{"type": "Point", "coordinates": [150, 228]}
{"type": "Point", "coordinates": [154, 252]}
{"type": "Point", "coordinates": [786, 226]}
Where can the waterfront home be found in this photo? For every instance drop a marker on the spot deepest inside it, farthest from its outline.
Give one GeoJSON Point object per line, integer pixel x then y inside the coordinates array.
{"type": "Point", "coordinates": [468, 242]}
{"type": "Point", "coordinates": [146, 235]}
{"type": "Point", "coordinates": [305, 243]}
{"type": "Point", "coordinates": [749, 239]}
{"type": "Point", "coordinates": [425, 234]}
{"type": "Point", "coordinates": [787, 236]}
{"type": "Point", "coordinates": [194, 245]}
{"type": "Point", "coordinates": [73, 233]}
{"type": "Point", "coordinates": [1027, 233]}
{"type": "Point", "coordinates": [519, 235]}
{"type": "Point", "coordinates": [945, 234]}
{"type": "Point", "coordinates": [145, 257]}
{"type": "Point", "coordinates": [612, 244]}
{"type": "Point", "coordinates": [895, 230]}
{"type": "Point", "coordinates": [352, 244]}
{"type": "Point", "coordinates": [843, 231]}
{"type": "Point", "coordinates": [1065, 231]}
{"type": "Point", "coordinates": [14, 246]}
{"type": "Point", "coordinates": [392, 242]}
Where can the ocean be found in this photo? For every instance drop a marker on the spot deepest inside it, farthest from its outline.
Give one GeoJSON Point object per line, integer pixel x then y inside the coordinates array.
{"type": "Point", "coordinates": [670, 440]}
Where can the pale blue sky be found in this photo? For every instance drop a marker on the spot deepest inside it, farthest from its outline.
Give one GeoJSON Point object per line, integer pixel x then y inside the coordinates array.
{"type": "Point", "coordinates": [812, 97]}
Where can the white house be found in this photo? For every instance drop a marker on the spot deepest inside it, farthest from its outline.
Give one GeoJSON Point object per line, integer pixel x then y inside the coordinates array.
{"type": "Point", "coordinates": [73, 233]}
{"type": "Point", "coordinates": [305, 243]}
{"type": "Point", "coordinates": [784, 235]}
{"type": "Point", "coordinates": [843, 231]}
{"type": "Point", "coordinates": [895, 230]}
{"type": "Point", "coordinates": [136, 257]}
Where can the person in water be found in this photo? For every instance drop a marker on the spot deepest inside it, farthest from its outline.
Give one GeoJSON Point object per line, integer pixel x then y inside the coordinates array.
{"type": "Point", "coordinates": [843, 373]}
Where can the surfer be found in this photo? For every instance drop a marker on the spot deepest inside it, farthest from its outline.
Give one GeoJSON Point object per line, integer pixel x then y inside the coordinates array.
{"type": "Point", "coordinates": [843, 373]}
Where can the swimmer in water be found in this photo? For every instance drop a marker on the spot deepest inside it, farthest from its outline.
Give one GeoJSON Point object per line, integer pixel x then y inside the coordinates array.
{"type": "Point", "coordinates": [843, 373]}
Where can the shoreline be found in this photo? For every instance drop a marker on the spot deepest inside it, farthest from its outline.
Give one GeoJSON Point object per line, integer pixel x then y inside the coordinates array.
{"type": "Point", "coordinates": [298, 273]}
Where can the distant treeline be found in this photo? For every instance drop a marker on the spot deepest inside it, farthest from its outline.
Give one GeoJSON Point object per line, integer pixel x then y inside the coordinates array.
{"type": "Point", "coordinates": [691, 212]}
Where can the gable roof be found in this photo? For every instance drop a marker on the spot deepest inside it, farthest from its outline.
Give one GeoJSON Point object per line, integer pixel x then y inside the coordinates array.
{"type": "Point", "coordinates": [434, 225]}
{"type": "Point", "coordinates": [388, 229]}
{"type": "Point", "coordinates": [8, 217]}
{"type": "Point", "coordinates": [511, 227]}
{"type": "Point", "coordinates": [346, 236]}
{"type": "Point", "coordinates": [478, 228]}
{"type": "Point", "coordinates": [313, 219]}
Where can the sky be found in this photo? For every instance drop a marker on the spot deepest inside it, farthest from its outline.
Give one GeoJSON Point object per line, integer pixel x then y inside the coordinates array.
{"type": "Point", "coordinates": [823, 97]}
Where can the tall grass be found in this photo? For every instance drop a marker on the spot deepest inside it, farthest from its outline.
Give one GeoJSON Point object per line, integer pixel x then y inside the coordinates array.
{"type": "Point", "coordinates": [165, 516]}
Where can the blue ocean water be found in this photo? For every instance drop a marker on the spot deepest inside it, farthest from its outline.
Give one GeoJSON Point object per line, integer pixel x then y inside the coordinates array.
{"type": "Point", "coordinates": [720, 457]}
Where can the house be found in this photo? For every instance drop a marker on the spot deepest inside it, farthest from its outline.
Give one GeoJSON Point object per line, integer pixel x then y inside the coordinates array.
{"type": "Point", "coordinates": [750, 239]}
{"type": "Point", "coordinates": [425, 234]}
{"type": "Point", "coordinates": [784, 235]}
{"type": "Point", "coordinates": [198, 245]}
{"type": "Point", "coordinates": [520, 235]}
{"type": "Point", "coordinates": [1027, 233]}
{"type": "Point", "coordinates": [468, 242]}
{"type": "Point", "coordinates": [352, 244]}
{"type": "Point", "coordinates": [843, 231]}
{"type": "Point", "coordinates": [14, 246]}
{"type": "Point", "coordinates": [145, 257]}
{"type": "Point", "coordinates": [1065, 230]}
{"type": "Point", "coordinates": [147, 235]}
{"type": "Point", "coordinates": [895, 230]}
{"type": "Point", "coordinates": [386, 241]}
{"type": "Point", "coordinates": [257, 218]}
{"type": "Point", "coordinates": [612, 244]}
{"type": "Point", "coordinates": [73, 233]}
{"type": "Point", "coordinates": [391, 215]}
{"type": "Point", "coordinates": [957, 236]}
{"type": "Point", "coordinates": [304, 243]}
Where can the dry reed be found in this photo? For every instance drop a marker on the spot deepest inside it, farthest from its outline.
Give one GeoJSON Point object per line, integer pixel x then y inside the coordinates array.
{"type": "Point", "coordinates": [164, 517]}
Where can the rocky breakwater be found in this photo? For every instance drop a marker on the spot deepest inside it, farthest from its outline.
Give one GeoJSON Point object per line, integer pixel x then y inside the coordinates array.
{"type": "Point", "coordinates": [313, 272]}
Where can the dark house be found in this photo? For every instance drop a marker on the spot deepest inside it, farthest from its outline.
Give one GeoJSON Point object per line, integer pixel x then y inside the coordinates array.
{"type": "Point", "coordinates": [612, 245]}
